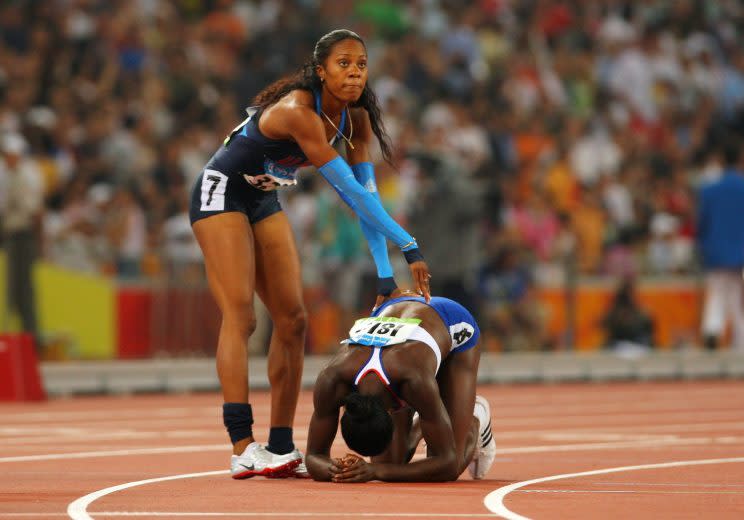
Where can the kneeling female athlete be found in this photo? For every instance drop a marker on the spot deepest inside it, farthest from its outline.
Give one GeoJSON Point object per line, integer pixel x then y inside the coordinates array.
{"type": "Point", "coordinates": [408, 356]}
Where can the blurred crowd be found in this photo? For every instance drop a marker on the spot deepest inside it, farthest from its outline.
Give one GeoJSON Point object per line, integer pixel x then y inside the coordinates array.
{"type": "Point", "coordinates": [534, 139]}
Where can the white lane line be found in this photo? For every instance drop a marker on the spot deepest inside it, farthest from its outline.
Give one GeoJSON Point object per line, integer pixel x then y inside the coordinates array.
{"type": "Point", "coordinates": [639, 417]}
{"type": "Point", "coordinates": [494, 501]}
{"type": "Point", "coordinates": [61, 415]}
{"type": "Point", "coordinates": [246, 514]}
{"type": "Point", "coordinates": [691, 441]}
{"type": "Point", "coordinates": [70, 440]}
{"type": "Point", "coordinates": [77, 510]}
{"type": "Point", "coordinates": [631, 492]}
{"type": "Point", "coordinates": [503, 451]}
{"type": "Point", "coordinates": [115, 453]}
{"type": "Point", "coordinates": [37, 516]}
{"type": "Point", "coordinates": [294, 514]}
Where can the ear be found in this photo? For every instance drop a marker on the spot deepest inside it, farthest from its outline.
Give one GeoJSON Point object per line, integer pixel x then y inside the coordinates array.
{"type": "Point", "coordinates": [320, 72]}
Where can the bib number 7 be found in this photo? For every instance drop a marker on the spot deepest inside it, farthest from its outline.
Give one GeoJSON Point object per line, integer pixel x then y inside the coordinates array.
{"type": "Point", "coordinates": [213, 190]}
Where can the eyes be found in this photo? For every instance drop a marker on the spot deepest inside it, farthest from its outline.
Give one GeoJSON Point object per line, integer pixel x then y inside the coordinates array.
{"type": "Point", "coordinates": [345, 63]}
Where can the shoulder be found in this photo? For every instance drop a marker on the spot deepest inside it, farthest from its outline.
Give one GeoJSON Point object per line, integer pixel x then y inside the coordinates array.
{"type": "Point", "coordinates": [339, 369]}
{"type": "Point", "coordinates": [359, 115]}
{"type": "Point", "coordinates": [419, 389]}
{"type": "Point", "coordinates": [360, 119]}
{"type": "Point", "coordinates": [292, 116]}
{"type": "Point", "coordinates": [333, 383]}
{"type": "Point", "coordinates": [294, 107]}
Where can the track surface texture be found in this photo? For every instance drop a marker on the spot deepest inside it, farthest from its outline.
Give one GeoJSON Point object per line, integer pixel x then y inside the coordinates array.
{"type": "Point", "coordinates": [573, 451]}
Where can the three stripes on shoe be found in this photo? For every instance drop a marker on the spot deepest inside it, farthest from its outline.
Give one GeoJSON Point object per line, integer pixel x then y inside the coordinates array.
{"type": "Point", "coordinates": [486, 435]}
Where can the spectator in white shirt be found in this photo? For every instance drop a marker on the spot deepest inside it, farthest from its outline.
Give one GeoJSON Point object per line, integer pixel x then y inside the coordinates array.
{"type": "Point", "coordinates": [21, 206]}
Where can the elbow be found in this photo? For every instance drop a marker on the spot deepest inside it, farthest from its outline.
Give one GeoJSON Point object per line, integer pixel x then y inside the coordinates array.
{"type": "Point", "coordinates": [450, 470]}
{"type": "Point", "coordinates": [452, 473]}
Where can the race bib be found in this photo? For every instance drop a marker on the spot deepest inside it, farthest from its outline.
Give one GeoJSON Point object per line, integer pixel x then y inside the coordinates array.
{"type": "Point", "coordinates": [213, 188]}
{"type": "Point", "coordinates": [381, 331]}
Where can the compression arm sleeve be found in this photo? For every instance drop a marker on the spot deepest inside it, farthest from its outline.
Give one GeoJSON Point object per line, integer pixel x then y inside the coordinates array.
{"type": "Point", "coordinates": [364, 173]}
{"type": "Point", "coordinates": [340, 176]}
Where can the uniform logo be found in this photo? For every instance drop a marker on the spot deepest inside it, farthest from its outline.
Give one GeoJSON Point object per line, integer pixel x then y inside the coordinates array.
{"type": "Point", "coordinates": [276, 175]}
{"type": "Point", "coordinates": [371, 186]}
{"type": "Point", "coordinates": [461, 333]}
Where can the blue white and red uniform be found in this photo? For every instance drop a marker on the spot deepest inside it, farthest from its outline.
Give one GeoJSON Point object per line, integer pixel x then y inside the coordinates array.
{"type": "Point", "coordinates": [463, 331]}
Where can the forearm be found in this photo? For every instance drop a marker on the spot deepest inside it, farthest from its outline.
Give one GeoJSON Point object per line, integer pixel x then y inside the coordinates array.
{"type": "Point", "coordinates": [442, 468]}
{"type": "Point", "coordinates": [364, 174]}
{"type": "Point", "coordinates": [370, 210]}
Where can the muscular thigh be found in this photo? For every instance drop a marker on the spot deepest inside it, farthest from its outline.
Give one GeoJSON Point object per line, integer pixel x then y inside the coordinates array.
{"type": "Point", "coordinates": [226, 241]}
{"type": "Point", "coordinates": [278, 275]}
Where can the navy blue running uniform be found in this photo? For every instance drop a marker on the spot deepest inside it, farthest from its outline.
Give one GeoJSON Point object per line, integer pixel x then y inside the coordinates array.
{"type": "Point", "coordinates": [243, 175]}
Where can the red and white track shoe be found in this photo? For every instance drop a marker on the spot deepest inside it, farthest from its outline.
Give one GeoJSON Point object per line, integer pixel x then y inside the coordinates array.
{"type": "Point", "coordinates": [258, 461]}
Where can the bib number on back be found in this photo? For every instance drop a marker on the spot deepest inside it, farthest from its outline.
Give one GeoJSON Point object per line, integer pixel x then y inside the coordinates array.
{"type": "Point", "coordinates": [381, 331]}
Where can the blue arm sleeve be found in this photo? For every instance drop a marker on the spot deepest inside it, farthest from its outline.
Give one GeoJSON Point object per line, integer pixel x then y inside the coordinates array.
{"type": "Point", "coordinates": [339, 175]}
{"type": "Point", "coordinates": [364, 173]}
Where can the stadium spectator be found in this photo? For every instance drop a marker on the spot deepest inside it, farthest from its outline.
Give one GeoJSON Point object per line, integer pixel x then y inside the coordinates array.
{"type": "Point", "coordinates": [628, 328]}
{"type": "Point", "coordinates": [721, 241]}
{"type": "Point", "coordinates": [21, 207]}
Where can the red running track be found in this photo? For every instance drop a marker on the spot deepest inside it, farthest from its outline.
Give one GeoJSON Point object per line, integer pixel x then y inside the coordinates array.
{"type": "Point", "coordinates": [641, 450]}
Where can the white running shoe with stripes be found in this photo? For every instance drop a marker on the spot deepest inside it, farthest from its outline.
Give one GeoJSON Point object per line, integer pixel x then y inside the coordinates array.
{"type": "Point", "coordinates": [485, 451]}
{"type": "Point", "coordinates": [256, 460]}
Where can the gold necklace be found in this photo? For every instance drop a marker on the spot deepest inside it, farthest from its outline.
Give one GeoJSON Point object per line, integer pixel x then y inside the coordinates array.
{"type": "Point", "coordinates": [338, 132]}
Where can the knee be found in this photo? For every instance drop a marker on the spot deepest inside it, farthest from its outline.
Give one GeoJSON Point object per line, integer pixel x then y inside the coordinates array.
{"type": "Point", "coordinates": [239, 314]}
{"type": "Point", "coordinates": [292, 323]}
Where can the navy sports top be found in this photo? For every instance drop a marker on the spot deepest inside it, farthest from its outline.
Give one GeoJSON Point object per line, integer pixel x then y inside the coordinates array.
{"type": "Point", "coordinates": [461, 324]}
{"type": "Point", "coordinates": [267, 164]}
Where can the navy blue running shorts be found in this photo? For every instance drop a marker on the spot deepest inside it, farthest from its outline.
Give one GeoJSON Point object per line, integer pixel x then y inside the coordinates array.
{"type": "Point", "coordinates": [214, 193]}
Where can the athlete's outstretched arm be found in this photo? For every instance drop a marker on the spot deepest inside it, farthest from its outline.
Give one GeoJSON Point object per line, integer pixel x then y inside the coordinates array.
{"type": "Point", "coordinates": [364, 173]}
{"type": "Point", "coordinates": [306, 128]}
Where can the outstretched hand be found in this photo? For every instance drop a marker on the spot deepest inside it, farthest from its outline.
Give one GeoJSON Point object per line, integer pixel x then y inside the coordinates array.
{"type": "Point", "coordinates": [420, 275]}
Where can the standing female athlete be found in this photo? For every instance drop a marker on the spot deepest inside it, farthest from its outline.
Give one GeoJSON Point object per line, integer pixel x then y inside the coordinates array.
{"type": "Point", "coordinates": [248, 244]}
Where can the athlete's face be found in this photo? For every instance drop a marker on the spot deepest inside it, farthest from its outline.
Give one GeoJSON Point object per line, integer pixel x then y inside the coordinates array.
{"type": "Point", "coordinates": [344, 72]}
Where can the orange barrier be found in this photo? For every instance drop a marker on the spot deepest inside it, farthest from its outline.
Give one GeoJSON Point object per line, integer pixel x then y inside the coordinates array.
{"type": "Point", "coordinates": [19, 369]}
{"type": "Point", "coordinates": [182, 322]}
{"type": "Point", "coordinates": [674, 307]}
